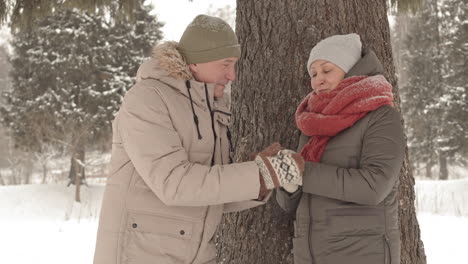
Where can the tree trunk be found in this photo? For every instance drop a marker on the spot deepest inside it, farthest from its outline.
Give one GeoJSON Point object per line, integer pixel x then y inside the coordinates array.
{"type": "Point", "coordinates": [2, 182]}
{"type": "Point", "coordinates": [14, 167]}
{"type": "Point", "coordinates": [77, 181]}
{"type": "Point", "coordinates": [429, 165]}
{"type": "Point", "coordinates": [80, 171]}
{"type": "Point", "coordinates": [77, 169]}
{"type": "Point", "coordinates": [44, 171]}
{"type": "Point", "coordinates": [14, 180]}
{"type": "Point", "coordinates": [402, 21]}
{"type": "Point", "coordinates": [443, 170]}
{"type": "Point", "coordinates": [276, 38]}
{"type": "Point", "coordinates": [72, 171]}
{"type": "Point", "coordinates": [28, 170]}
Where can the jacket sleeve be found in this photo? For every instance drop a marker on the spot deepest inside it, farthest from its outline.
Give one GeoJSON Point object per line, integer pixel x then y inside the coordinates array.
{"type": "Point", "coordinates": [288, 201]}
{"type": "Point", "coordinates": [381, 159]}
{"type": "Point", "coordinates": [241, 206]}
{"type": "Point", "coordinates": [155, 149]}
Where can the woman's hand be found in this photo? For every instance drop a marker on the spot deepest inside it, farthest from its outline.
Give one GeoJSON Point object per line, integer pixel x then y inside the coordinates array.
{"type": "Point", "coordinates": [287, 167]}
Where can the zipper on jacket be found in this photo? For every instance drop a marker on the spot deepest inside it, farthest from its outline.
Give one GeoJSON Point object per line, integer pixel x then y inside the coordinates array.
{"type": "Point", "coordinates": [231, 148]}
{"type": "Point", "coordinates": [212, 124]}
{"type": "Point", "coordinates": [222, 112]}
{"type": "Point", "coordinates": [228, 134]}
{"type": "Point", "coordinates": [387, 252]}
{"type": "Point", "coordinates": [221, 150]}
{"type": "Point", "coordinates": [310, 230]}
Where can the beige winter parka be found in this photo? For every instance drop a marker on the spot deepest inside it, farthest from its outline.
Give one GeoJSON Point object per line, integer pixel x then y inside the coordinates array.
{"type": "Point", "coordinates": [347, 208]}
{"type": "Point", "coordinates": [164, 199]}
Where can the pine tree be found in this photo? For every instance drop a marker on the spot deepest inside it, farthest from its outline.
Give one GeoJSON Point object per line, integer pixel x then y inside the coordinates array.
{"type": "Point", "coordinates": [139, 35]}
{"type": "Point", "coordinates": [69, 78]}
{"type": "Point", "coordinates": [456, 78]}
{"type": "Point", "coordinates": [23, 13]}
{"type": "Point", "coordinates": [434, 98]}
{"type": "Point", "coordinates": [420, 96]}
{"type": "Point", "coordinates": [4, 86]}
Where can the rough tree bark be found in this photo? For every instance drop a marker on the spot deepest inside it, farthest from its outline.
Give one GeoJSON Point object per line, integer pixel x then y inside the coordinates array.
{"type": "Point", "coordinates": [276, 37]}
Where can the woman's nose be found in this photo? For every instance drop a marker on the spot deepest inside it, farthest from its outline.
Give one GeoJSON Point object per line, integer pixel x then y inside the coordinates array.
{"type": "Point", "coordinates": [319, 79]}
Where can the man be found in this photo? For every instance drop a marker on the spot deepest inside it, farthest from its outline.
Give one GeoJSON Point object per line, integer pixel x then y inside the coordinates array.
{"type": "Point", "coordinates": [170, 178]}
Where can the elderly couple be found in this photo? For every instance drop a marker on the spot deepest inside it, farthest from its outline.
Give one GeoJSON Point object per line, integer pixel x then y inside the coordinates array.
{"type": "Point", "coordinates": [171, 177]}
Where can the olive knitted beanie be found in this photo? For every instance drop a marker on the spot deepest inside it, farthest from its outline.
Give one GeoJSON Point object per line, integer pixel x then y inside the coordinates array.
{"type": "Point", "coordinates": [208, 38]}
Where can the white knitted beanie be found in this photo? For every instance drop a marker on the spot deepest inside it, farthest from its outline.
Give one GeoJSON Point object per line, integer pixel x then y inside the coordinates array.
{"type": "Point", "coordinates": [342, 50]}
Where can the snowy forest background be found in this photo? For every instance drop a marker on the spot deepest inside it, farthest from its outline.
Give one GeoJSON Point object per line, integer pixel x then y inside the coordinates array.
{"type": "Point", "coordinates": [63, 81]}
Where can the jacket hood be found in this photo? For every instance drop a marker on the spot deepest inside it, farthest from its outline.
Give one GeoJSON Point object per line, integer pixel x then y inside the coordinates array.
{"type": "Point", "coordinates": [166, 62]}
{"type": "Point", "coordinates": [368, 65]}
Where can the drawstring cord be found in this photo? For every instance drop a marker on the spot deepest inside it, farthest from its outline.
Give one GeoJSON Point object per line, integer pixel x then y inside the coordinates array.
{"type": "Point", "coordinates": [195, 117]}
{"type": "Point", "coordinates": [231, 148]}
{"type": "Point", "coordinates": [195, 120]}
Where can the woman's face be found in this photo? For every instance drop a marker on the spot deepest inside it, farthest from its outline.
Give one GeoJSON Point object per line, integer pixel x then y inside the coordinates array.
{"type": "Point", "coordinates": [325, 76]}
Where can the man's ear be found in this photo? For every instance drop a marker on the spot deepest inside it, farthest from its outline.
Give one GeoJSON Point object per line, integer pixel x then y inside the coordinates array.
{"type": "Point", "coordinates": [193, 68]}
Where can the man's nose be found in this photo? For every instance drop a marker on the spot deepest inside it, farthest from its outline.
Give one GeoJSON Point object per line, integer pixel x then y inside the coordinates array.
{"type": "Point", "coordinates": [231, 74]}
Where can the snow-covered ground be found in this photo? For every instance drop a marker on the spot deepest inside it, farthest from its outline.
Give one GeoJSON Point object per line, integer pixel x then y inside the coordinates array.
{"type": "Point", "coordinates": [42, 224]}
{"type": "Point", "coordinates": [442, 197]}
{"type": "Point", "coordinates": [443, 218]}
{"type": "Point", "coordinates": [445, 238]}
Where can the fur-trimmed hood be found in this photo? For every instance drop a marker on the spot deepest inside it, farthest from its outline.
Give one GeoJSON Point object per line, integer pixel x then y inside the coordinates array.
{"type": "Point", "coordinates": [169, 66]}
{"type": "Point", "coordinates": [166, 61]}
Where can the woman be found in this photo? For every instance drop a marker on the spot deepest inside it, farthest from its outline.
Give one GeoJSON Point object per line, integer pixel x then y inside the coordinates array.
{"type": "Point", "coordinates": [353, 144]}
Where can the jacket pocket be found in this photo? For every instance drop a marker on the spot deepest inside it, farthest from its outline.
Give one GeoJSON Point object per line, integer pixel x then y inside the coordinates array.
{"type": "Point", "coordinates": [356, 236]}
{"type": "Point", "coordinates": [157, 239]}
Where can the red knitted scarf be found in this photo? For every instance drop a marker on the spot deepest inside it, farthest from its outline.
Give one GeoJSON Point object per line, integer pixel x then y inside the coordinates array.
{"type": "Point", "coordinates": [324, 115]}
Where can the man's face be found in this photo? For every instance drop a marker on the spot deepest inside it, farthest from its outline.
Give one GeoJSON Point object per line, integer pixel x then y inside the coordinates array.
{"type": "Point", "coordinates": [218, 72]}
